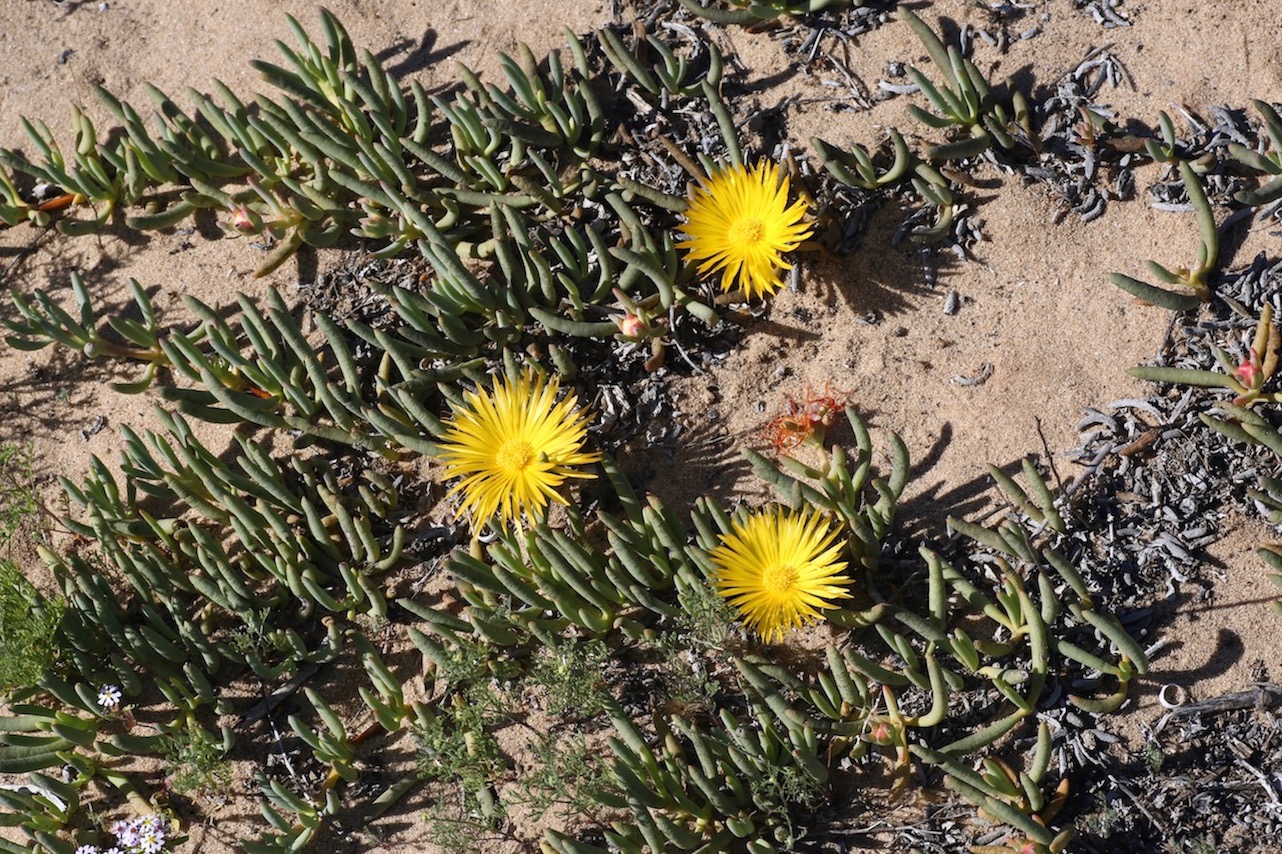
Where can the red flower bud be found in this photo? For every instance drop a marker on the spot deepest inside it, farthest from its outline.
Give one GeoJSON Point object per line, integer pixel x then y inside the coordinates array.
{"type": "Point", "coordinates": [1250, 372]}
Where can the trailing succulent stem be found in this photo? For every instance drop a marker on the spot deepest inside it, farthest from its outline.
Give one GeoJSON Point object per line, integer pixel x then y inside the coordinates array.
{"type": "Point", "coordinates": [194, 570]}
{"type": "Point", "coordinates": [963, 98]}
{"type": "Point", "coordinates": [1269, 162]}
{"type": "Point", "coordinates": [501, 174]}
{"type": "Point", "coordinates": [1245, 377]}
{"type": "Point", "coordinates": [1197, 278]}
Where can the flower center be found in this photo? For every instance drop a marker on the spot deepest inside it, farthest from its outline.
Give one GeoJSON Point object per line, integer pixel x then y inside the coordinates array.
{"type": "Point", "coordinates": [515, 455]}
{"type": "Point", "coordinates": [779, 579]}
{"type": "Point", "coordinates": [747, 231]}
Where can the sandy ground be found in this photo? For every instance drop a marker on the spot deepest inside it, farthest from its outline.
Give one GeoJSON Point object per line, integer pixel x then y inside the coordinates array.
{"type": "Point", "coordinates": [1035, 303]}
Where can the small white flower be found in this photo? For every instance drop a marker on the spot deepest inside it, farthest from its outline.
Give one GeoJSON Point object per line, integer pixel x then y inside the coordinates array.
{"type": "Point", "coordinates": [151, 840]}
{"type": "Point", "coordinates": [109, 696]}
{"type": "Point", "coordinates": [128, 835]}
{"type": "Point", "coordinates": [87, 849]}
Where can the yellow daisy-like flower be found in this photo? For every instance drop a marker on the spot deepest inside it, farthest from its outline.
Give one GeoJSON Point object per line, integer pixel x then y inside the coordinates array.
{"type": "Point", "coordinates": [779, 568]}
{"type": "Point", "coordinates": [513, 448]}
{"type": "Point", "coordinates": [740, 223]}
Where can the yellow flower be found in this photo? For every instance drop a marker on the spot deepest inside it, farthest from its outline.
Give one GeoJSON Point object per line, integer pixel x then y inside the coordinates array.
{"type": "Point", "coordinates": [514, 448]}
{"type": "Point", "coordinates": [779, 568]}
{"type": "Point", "coordinates": [740, 223]}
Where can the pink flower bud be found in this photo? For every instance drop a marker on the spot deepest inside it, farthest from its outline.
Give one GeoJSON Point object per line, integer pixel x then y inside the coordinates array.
{"type": "Point", "coordinates": [245, 221]}
{"type": "Point", "coordinates": [632, 326]}
{"type": "Point", "coordinates": [1250, 372]}
{"type": "Point", "coordinates": [881, 735]}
